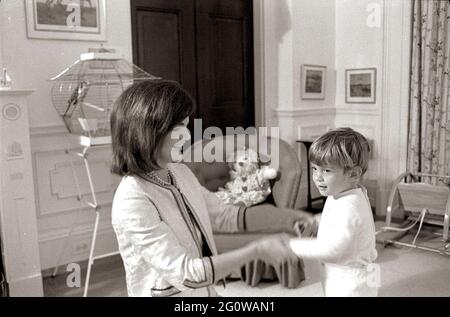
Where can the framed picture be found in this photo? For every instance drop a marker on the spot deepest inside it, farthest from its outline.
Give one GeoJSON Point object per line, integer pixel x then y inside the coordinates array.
{"type": "Point", "coordinates": [360, 85]}
{"type": "Point", "coordinates": [82, 20]}
{"type": "Point", "coordinates": [313, 81]}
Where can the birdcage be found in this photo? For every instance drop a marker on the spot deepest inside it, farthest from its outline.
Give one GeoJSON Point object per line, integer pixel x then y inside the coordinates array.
{"type": "Point", "coordinates": [84, 93]}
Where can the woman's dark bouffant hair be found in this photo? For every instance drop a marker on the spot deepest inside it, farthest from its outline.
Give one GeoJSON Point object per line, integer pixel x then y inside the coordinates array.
{"type": "Point", "coordinates": [141, 118]}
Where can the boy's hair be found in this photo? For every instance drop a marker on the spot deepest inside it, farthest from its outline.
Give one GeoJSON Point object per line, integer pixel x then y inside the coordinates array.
{"type": "Point", "coordinates": [343, 147]}
{"type": "Point", "coordinates": [141, 118]}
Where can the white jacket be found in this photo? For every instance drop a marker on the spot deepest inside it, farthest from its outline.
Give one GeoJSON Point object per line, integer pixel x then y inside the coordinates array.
{"type": "Point", "coordinates": [158, 240]}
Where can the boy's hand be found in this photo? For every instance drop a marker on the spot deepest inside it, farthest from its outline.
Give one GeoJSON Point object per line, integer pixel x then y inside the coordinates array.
{"type": "Point", "coordinates": [295, 219]}
{"type": "Point", "coordinates": [307, 227]}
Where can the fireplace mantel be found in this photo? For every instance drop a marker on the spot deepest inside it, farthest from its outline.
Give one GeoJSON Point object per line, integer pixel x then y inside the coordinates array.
{"type": "Point", "coordinates": [18, 225]}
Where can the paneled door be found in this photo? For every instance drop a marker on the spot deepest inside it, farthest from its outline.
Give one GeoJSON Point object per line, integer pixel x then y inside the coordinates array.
{"type": "Point", "coordinates": [207, 46]}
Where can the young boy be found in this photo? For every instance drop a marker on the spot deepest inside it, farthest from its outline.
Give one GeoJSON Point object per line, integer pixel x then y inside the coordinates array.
{"type": "Point", "coordinates": [345, 243]}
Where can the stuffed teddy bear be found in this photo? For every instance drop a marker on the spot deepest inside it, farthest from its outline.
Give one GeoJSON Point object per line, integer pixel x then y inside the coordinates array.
{"type": "Point", "coordinates": [249, 180]}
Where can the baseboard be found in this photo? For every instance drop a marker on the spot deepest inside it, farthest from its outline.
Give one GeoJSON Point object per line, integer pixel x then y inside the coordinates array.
{"type": "Point", "coordinates": [78, 248]}
{"type": "Point", "coordinates": [83, 265]}
{"type": "Point", "coordinates": [29, 286]}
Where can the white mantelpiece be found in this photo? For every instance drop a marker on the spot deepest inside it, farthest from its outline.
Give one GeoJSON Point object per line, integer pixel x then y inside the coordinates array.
{"type": "Point", "coordinates": [18, 225]}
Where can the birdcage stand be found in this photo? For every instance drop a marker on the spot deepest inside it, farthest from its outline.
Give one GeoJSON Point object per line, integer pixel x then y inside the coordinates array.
{"type": "Point", "coordinates": [83, 95]}
{"type": "Point", "coordinates": [87, 144]}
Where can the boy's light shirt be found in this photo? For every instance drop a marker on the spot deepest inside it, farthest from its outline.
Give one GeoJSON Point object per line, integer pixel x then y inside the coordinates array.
{"type": "Point", "coordinates": [346, 234]}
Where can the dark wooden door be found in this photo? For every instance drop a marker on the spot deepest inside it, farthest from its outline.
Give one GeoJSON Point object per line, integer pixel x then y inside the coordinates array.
{"type": "Point", "coordinates": [225, 62]}
{"type": "Point", "coordinates": [164, 39]}
{"type": "Point", "coordinates": [206, 45]}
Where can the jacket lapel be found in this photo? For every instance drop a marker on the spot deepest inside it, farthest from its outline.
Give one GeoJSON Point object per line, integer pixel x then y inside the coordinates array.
{"type": "Point", "coordinates": [198, 209]}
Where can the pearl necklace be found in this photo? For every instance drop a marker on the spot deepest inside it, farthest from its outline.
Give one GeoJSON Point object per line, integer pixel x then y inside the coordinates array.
{"type": "Point", "coordinates": [154, 176]}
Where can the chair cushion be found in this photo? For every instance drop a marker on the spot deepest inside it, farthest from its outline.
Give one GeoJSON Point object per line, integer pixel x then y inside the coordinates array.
{"type": "Point", "coordinates": [213, 173]}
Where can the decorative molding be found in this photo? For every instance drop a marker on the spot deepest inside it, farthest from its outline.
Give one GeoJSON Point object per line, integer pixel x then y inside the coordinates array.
{"type": "Point", "coordinates": [57, 204]}
{"type": "Point", "coordinates": [52, 199]}
{"type": "Point", "coordinates": [385, 97]}
{"type": "Point", "coordinates": [359, 111]}
{"type": "Point", "coordinates": [16, 92]}
{"type": "Point", "coordinates": [48, 130]}
{"type": "Point", "coordinates": [312, 131]}
{"type": "Point", "coordinates": [259, 64]}
{"type": "Point", "coordinates": [78, 248]}
{"type": "Point", "coordinates": [365, 127]}
{"type": "Point", "coordinates": [61, 188]}
{"type": "Point", "coordinates": [393, 124]}
{"type": "Point", "coordinates": [405, 80]}
{"type": "Point", "coordinates": [301, 112]}
{"type": "Point", "coordinates": [80, 229]}
{"type": "Point", "coordinates": [18, 232]}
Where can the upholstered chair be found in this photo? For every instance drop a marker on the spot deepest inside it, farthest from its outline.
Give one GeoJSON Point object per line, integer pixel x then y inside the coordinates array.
{"type": "Point", "coordinates": [268, 217]}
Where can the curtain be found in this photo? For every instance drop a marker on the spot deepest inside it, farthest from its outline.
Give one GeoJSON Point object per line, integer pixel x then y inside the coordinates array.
{"type": "Point", "coordinates": [429, 113]}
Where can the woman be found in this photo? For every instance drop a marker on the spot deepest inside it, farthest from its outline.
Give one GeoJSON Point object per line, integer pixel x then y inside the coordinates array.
{"type": "Point", "coordinates": [162, 216]}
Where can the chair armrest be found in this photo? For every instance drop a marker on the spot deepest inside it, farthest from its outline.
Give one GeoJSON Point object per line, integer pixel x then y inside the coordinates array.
{"type": "Point", "coordinates": [268, 218]}
{"type": "Point", "coordinates": [285, 189]}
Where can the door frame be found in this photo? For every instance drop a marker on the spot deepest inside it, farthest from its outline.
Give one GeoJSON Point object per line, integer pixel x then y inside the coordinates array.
{"type": "Point", "coordinates": [259, 64]}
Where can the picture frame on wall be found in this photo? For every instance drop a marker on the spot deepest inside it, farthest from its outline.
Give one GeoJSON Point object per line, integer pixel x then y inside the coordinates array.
{"type": "Point", "coordinates": [313, 78]}
{"type": "Point", "coordinates": [77, 20]}
{"type": "Point", "coordinates": [360, 85]}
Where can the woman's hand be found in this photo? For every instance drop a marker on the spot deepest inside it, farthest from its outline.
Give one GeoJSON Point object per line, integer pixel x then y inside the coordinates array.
{"type": "Point", "coordinates": [275, 250]}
